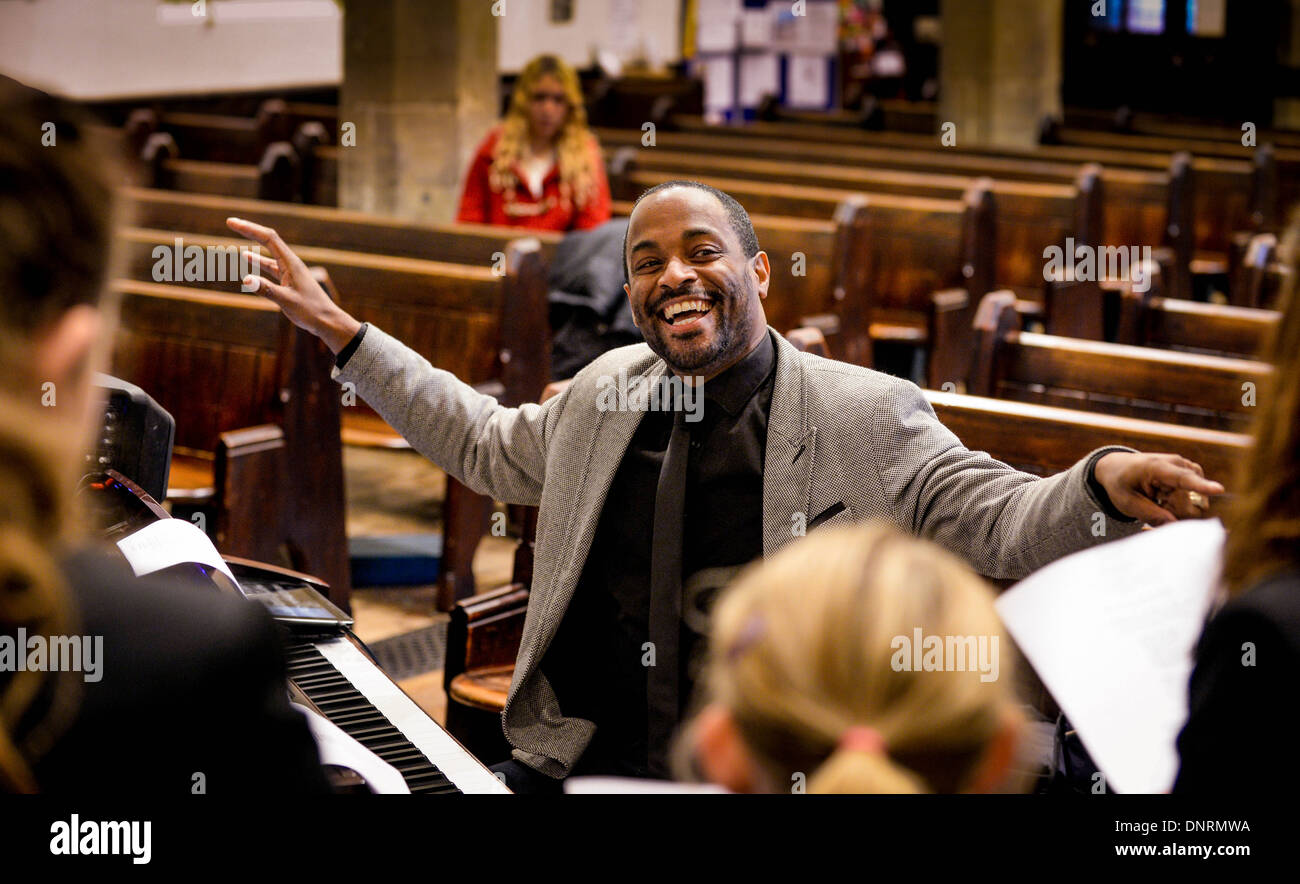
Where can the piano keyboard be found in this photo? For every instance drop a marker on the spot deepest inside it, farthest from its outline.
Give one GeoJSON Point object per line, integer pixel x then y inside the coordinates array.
{"type": "Point", "coordinates": [356, 695]}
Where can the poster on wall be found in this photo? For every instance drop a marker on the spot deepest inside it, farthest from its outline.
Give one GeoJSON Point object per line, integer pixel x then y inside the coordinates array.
{"type": "Point", "coordinates": [760, 74]}
{"type": "Point", "coordinates": [807, 81]}
{"type": "Point", "coordinates": [814, 31]}
{"type": "Point", "coordinates": [719, 84]}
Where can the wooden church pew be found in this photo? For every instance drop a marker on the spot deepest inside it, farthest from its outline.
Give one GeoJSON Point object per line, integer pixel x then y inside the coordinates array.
{"type": "Point", "coordinates": [275, 176]}
{"type": "Point", "coordinates": [257, 416]}
{"type": "Point", "coordinates": [1027, 216]}
{"type": "Point", "coordinates": [1137, 205]}
{"type": "Point", "coordinates": [479, 245]}
{"type": "Point", "coordinates": [1184, 388]}
{"type": "Point", "coordinates": [450, 313]}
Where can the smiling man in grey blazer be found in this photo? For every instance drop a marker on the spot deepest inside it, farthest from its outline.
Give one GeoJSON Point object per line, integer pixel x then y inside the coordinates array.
{"type": "Point", "coordinates": [644, 513]}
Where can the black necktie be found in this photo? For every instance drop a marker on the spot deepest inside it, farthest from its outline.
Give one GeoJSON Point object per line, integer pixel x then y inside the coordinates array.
{"type": "Point", "coordinates": [666, 596]}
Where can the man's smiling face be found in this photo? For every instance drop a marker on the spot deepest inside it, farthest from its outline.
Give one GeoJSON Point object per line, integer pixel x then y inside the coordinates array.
{"type": "Point", "coordinates": [695, 296]}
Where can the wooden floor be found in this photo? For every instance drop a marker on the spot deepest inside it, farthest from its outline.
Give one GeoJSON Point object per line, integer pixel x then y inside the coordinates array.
{"type": "Point", "coordinates": [393, 492]}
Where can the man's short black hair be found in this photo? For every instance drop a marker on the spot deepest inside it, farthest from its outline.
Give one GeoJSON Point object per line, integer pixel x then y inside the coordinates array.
{"type": "Point", "coordinates": [736, 216]}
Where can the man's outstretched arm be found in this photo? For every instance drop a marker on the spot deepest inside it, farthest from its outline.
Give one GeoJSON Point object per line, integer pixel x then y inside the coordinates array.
{"type": "Point", "coordinates": [492, 449]}
{"type": "Point", "coordinates": [1007, 523]}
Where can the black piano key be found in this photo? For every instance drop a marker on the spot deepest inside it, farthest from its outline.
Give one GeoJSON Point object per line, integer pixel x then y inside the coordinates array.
{"type": "Point", "coordinates": [425, 781]}
{"type": "Point", "coordinates": [362, 732]}
{"type": "Point", "coordinates": [332, 692]}
{"type": "Point", "coordinates": [340, 701]}
{"type": "Point", "coordinates": [313, 678]}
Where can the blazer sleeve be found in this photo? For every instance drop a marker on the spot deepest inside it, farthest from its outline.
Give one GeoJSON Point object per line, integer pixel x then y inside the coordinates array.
{"type": "Point", "coordinates": [489, 448]}
{"type": "Point", "coordinates": [597, 209]}
{"type": "Point", "coordinates": [1004, 522]}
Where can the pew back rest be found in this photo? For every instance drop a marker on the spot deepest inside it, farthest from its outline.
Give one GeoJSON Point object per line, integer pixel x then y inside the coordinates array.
{"type": "Point", "coordinates": [1135, 201]}
{"type": "Point", "coordinates": [1204, 390]}
{"type": "Point", "coordinates": [1208, 328]}
{"type": "Point", "coordinates": [1044, 440]}
{"type": "Point", "coordinates": [1028, 216]}
{"type": "Point", "coordinates": [448, 312]}
{"type": "Point", "coordinates": [321, 227]}
{"type": "Point", "coordinates": [215, 361]}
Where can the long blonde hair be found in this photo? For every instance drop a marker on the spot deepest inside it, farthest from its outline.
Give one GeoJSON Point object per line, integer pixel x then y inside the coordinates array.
{"type": "Point", "coordinates": [55, 234]}
{"type": "Point", "coordinates": [1264, 520]}
{"type": "Point", "coordinates": [807, 645]}
{"type": "Point", "coordinates": [573, 144]}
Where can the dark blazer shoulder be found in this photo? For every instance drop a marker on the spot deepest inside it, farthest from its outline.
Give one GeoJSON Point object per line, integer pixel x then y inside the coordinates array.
{"type": "Point", "coordinates": [1241, 723]}
{"type": "Point", "coordinates": [190, 682]}
{"type": "Point", "coordinates": [1275, 600]}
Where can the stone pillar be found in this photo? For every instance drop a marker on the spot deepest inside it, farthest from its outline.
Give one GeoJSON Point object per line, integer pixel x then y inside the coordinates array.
{"type": "Point", "coordinates": [420, 85]}
{"type": "Point", "coordinates": [1000, 69]}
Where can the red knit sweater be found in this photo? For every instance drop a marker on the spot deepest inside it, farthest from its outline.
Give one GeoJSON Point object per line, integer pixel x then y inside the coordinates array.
{"type": "Point", "coordinates": [480, 204]}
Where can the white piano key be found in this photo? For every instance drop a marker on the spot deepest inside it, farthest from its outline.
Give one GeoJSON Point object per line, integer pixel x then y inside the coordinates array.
{"type": "Point", "coordinates": [454, 760]}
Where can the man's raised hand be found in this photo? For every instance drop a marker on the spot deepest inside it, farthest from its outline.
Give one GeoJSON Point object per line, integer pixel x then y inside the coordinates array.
{"type": "Point", "coordinates": [295, 292]}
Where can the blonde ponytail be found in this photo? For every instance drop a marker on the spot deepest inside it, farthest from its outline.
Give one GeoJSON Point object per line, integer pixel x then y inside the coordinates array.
{"type": "Point", "coordinates": [857, 772]}
{"type": "Point", "coordinates": [803, 659]}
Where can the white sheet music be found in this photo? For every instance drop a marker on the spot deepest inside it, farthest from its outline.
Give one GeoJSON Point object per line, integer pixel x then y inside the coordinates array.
{"type": "Point", "coordinates": [453, 759]}
{"type": "Point", "coordinates": [1112, 631]}
{"type": "Point", "coordinates": [336, 747]}
{"type": "Point", "coordinates": [168, 542]}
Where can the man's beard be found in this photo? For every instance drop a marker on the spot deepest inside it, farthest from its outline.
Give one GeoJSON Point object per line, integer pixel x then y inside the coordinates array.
{"type": "Point", "coordinates": [695, 356]}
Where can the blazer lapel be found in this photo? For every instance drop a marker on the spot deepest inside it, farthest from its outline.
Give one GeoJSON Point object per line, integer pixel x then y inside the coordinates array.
{"type": "Point", "coordinates": [791, 448]}
{"type": "Point", "coordinates": [607, 442]}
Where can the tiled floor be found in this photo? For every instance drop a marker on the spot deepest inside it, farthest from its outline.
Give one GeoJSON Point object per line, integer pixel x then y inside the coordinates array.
{"type": "Point", "coordinates": [399, 492]}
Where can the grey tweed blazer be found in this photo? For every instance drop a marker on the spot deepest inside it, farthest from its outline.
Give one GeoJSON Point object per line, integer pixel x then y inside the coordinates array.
{"type": "Point", "coordinates": [838, 434]}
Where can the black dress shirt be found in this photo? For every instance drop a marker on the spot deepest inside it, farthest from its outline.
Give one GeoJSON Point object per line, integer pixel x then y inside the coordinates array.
{"type": "Point", "coordinates": [595, 664]}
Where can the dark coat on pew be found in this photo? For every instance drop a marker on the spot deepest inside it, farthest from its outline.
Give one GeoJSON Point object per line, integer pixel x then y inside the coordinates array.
{"type": "Point", "coordinates": [590, 313]}
{"type": "Point", "coordinates": [190, 682]}
{"type": "Point", "coordinates": [1243, 722]}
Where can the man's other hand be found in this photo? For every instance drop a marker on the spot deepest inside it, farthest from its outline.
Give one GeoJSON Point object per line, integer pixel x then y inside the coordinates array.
{"type": "Point", "coordinates": [295, 291]}
{"type": "Point", "coordinates": [1156, 488]}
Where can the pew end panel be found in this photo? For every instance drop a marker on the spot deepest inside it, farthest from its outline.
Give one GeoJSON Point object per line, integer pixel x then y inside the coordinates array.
{"type": "Point", "coordinates": [952, 340]}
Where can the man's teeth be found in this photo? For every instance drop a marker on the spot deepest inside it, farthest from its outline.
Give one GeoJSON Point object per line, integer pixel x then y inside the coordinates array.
{"type": "Point", "coordinates": [672, 310]}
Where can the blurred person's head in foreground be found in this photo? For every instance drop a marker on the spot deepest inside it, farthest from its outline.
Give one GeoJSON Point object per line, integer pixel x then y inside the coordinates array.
{"type": "Point", "coordinates": [55, 235]}
{"type": "Point", "coordinates": [813, 679]}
